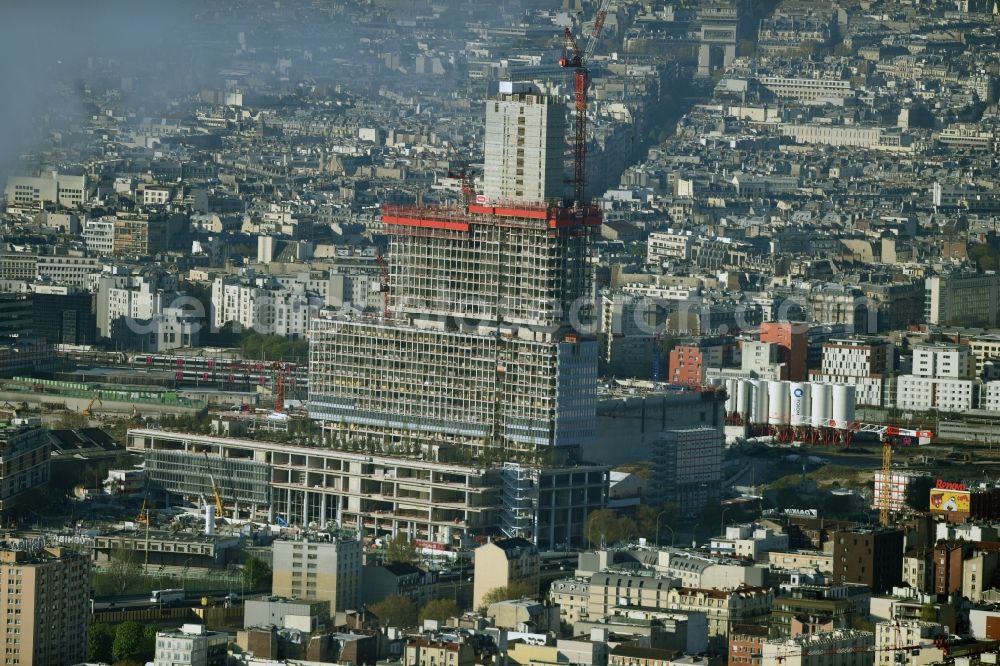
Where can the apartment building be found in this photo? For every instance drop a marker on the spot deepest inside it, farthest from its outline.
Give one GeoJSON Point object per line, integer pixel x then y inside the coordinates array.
{"type": "Point", "coordinates": [852, 647]}
{"type": "Point", "coordinates": [942, 361]}
{"type": "Point", "coordinates": [57, 188]}
{"type": "Point", "coordinates": [807, 89]}
{"type": "Point", "coordinates": [67, 269]}
{"type": "Point", "coordinates": [873, 138]}
{"type": "Point", "coordinates": [941, 379]}
{"type": "Point", "coordinates": [689, 361]}
{"type": "Point", "coordinates": [749, 542]}
{"type": "Point", "coordinates": [504, 563]}
{"type": "Point", "coordinates": [872, 557]}
{"type": "Point", "coordinates": [46, 605]}
{"type": "Point", "coordinates": [424, 652]}
{"type": "Point", "coordinates": [745, 645]}
{"type": "Point", "coordinates": [627, 339]}
{"type": "Point", "coordinates": [896, 485]}
{"type": "Point", "coordinates": [191, 645]}
{"type": "Point", "coordinates": [687, 468]}
{"type": "Point", "coordinates": [99, 236]}
{"type": "Point", "coordinates": [890, 635]}
{"type": "Point", "coordinates": [983, 348]}
{"type": "Point", "coordinates": [265, 305]}
{"type": "Point", "coordinates": [25, 453]}
{"type": "Point", "coordinates": [793, 345]}
{"type": "Point", "coordinates": [962, 299]}
{"type": "Point", "coordinates": [668, 245]}
{"type": "Point", "coordinates": [723, 609]}
{"type": "Point", "coordinates": [864, 362]}
{"type": "Point", "coordinates": [129, 297]}
{"type": "Point", "coordinates": [325, 570]}
{"type": "Point", "coordinates": [146, 233]}
{"type": "Point", "coordinates": [524, 145]}
{"type": "Point", "coordinates": [16, 318]}
{"type": "Point", "coordinates": [572, 596]}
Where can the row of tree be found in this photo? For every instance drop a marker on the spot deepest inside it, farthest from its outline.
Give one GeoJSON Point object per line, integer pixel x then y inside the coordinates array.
{"type": "Point", "coordinates": [650, 522]}
{"type": "Point", "coordinates": [129, 642]}
{"type": "Point", "coordinates": [397, 611]}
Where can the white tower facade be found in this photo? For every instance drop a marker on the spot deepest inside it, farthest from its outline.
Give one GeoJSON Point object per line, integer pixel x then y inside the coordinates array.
{"type": "Point", "coordinates": [525, 145]}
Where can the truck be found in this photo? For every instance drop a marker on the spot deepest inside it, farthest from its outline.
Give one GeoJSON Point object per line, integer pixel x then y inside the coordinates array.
{"type": "Point", "coordinates": [166, 596]}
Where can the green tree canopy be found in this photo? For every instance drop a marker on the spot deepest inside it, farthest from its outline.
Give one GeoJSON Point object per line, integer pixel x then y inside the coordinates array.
{"type": "Point", "coordinates": [648, 518]}
{"type": "Point", "coordinates": [100, 641]}
{"type": "Point", "coordinates": [515, 590]}
{"type": "Point", "coordinates": [255, 573]}
{"type": "Point", "coordinates": [395, 611]}
{"type": "Point", "coordinates": [271, 347]}
{"type": "Point", "coordinates": [124, 567]}
{"type": "Point", "coordinates": [401, 550]}
{"type": "Point", "coordinates": [134, 642]}
{"type": "Point", "coordinates": [439, 609]}
{"type": "Point", "coordinates": [608, 525]}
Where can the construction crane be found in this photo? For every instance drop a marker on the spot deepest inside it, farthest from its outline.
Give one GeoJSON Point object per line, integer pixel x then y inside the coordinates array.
{"type": "Point", "coordinates": [279, 387]}
{"type": "Point", "coordinates": [90, 405]}
{"type": "Point", "coordinates": [384, 285]}
{"type": "Point", "coordinates": [889, 435]}
{"type": "Point", "coordinates": [220, 509]}
{"type": "Point", "coordinates": [143, 516]}
{"type": "Point", "coordinates": [464, 174]}
{"type": "Point", "coordinates": [576, 59]}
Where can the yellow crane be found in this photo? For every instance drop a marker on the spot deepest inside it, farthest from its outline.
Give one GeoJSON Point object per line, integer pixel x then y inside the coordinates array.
{"type": "Point", "coordinates": [890, 436]}
{"type": "Point", "coordinates": [90, 405]}
{"type": "Point", "coordinates": [220, 509]}
{"type": "Point", "coordinates": [143, 513]}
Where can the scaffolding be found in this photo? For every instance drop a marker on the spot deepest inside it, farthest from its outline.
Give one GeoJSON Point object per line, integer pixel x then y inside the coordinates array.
{"type": "Point", "coordinates": [524, 265]}
{"type": "Point", "coordinates": [519, 501]}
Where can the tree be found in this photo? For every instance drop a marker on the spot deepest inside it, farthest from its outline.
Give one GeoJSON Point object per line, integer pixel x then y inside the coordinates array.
{"type": "Point", "coordinates": [518, 589]}
{"type": "Point", "coordinates": [133, 642]}
{"type": "Point", "coordinates": [395, 611]}
{"type": "Point", "coordinates": [72, 421]}
{"type": "Point", "coordinates": [123, 568]}
{"type": "Point", "coordinates": [100, 641]}
{"type": "Point", "coordinates": [648, 518]}
{"type": "Point", "coordinates": [439, 609]}
{"type": "Point", "coordinates": [608, 525]}
{"type": "Point", "coordinates": [255, 573]}
{"type": "Point", "coordinates": [401, 550]}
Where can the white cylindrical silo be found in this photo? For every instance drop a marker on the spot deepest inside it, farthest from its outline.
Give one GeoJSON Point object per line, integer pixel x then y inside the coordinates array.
{"type": "Point", "coordinates": [800, 414]}
{"type": "Point", "coordinates": [843, 404]}
{"type": "Point", "coordinates": [820, 404]}
{"type": "Point", "coordinates": [209, 519]}
{"type": "Point", "coordinates": [730, 395]}
{"type": "Point", "coordinates": [777, 403]}
{"type": "Point", "coordinates": [758, 401]}
{"type": "Point", "coordinates": [744, 391]}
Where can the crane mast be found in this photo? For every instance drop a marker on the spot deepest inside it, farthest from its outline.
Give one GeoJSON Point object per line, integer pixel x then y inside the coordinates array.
{"type": "Point", "coordinates": [576, 59]}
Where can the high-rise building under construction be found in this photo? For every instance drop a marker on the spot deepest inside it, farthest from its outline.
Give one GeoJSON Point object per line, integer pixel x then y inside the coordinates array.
{"type": "Point", "coordinates": [479, 349]}
{"type": "Point", "coordinates": [477, 354]}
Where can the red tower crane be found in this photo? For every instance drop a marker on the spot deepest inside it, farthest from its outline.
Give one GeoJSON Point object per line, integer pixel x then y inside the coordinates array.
{"type": "Point", "coordinates": [464, 174]}
{"type": "Point", "coordinates": [575, 58]}
{"type": "Point", "coordinates": [279, 388]}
